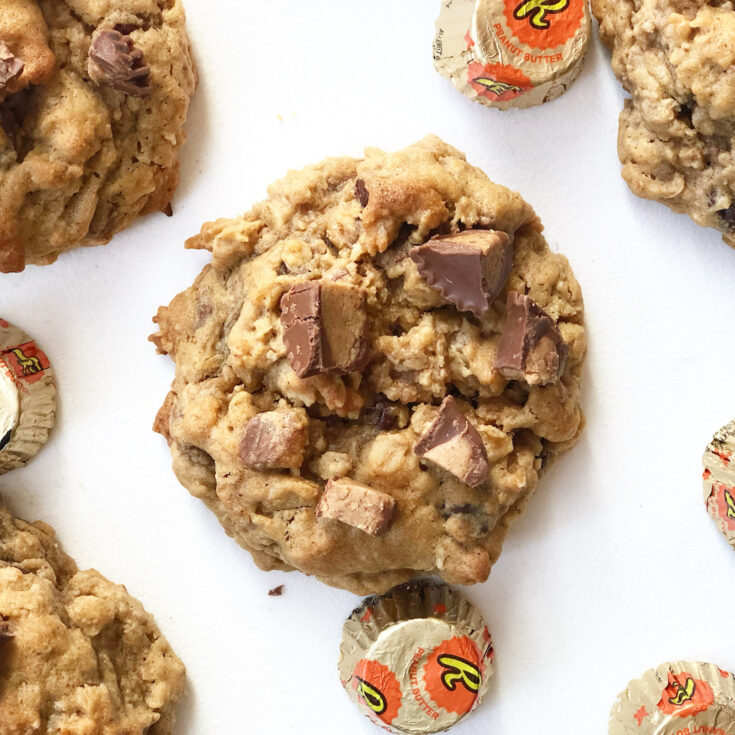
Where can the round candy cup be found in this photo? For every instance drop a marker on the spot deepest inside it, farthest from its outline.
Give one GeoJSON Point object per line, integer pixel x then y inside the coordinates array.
{"type": "Point", "coordinates": [417, 659]}
{"type": "Point", "coordinates": [29, 368]}
{"type": "Point", "coordinates": [676, 698]}
{"type": "Point", "coordinates": [507, 53]}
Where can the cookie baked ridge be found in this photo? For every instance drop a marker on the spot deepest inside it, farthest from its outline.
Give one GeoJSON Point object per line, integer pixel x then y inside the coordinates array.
{"type": "Point", "coordinates": [78, 654]}
{"type": "Point", "coordinates": [676, 137]}
{"type": "Point", "coordinates": [374, 369]}
{"type": "Point", "coordinates": [93, 100]}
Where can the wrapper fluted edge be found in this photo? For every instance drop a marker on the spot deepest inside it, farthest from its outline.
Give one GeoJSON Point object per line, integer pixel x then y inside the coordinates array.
{"type": "Point", "coordinates": [718, 480]}
{"type": "Point", "coordinates": [33, 376]}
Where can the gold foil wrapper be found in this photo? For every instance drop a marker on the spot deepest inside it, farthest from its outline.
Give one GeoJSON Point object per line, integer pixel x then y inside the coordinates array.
{"type": "Point", "coordinates": [681, 698]}
{"type": "Point", "coordinates": [26, 365]}
{"type": "Point", "coordinates": [512, 53]}
{"type": "Point", "coordinates": [417, 659]}
{"type": "Point", "coordinates": [718, 479]}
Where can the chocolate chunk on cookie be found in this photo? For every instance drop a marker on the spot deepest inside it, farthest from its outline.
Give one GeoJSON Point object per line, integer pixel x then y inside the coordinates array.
{"type": "Point", "coordinates": [275, 440]}
{"type": "Point", "coordinates": [531, 347]}
{"type": "Point", "coordinates": [324, 326]}
{"type": "Point", "coordinates": [469, 269]}
{"type": "Point", "coordinates": [116, 62]}
{"type": "Point", "coordinates": [356, 505]}
{"type": "Point", "coordinates": [11, 67]}
{"type": "Point", "coordinates": [454, 444]}
{"type": "Point", "coordinates": [361, 192]}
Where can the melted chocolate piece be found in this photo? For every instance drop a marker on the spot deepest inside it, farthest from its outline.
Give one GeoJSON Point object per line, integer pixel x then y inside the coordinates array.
{"type": "Point", "coordinates": [11, 67]}
{"type": "Point", "coordinates": [324, 327]}
{"type": "Point", "coordinates": [469, 268]}
{"type": "Point", "coordinates": [383, 414]}
{"type": "Point", "coordinates": [361, 193]}
{"type": "Point", "coordinates": [728, 216]}
{"type": "Point", "coordinates": [531, 347]}
{"type": "Point", "coordinates": [115, 61]}
{"type": "Point", "coordinates": [454, 444]}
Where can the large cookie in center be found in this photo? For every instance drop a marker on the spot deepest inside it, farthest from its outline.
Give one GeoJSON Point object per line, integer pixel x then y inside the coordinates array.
{"type": "Point", "coordinates": [375, 368]}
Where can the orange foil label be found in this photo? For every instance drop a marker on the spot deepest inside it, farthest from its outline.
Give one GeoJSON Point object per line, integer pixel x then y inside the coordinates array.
{"type": "Point", "coordinates": [27, 362]}
{"type": "Point", "coordinates": [685, 696]}
{"type": "Point", "coordinates": [544, 24]}
{"type": "Point", "coordinates": [378, 688]}
{"type": "Point", "coordinates": [453, 674]}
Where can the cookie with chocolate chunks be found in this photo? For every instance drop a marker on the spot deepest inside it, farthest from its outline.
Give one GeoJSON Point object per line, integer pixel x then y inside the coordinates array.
{"type": "Point", "coordinates": [469, 269]}
{"type": "Point", "coordinates": [531, 347]}
{"type": "Point", "coordinates": [93, 101]}
{"type": "Point", "coordinates": [321, 378]}
{"type": "Point", "coordinates": [78, 654]}
{"type": "Point", "coordinates": [454, 444]}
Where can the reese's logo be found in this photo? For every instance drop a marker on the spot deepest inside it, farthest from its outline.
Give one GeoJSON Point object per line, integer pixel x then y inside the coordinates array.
{"type": "Point", "coordinates": [453, 674]}
{"type": "Point", "coordinates": [537, 11]}
{"type": "Point", "coordinates": [459, 670]}
{"type": "Point", "coordinates": [372, 696]}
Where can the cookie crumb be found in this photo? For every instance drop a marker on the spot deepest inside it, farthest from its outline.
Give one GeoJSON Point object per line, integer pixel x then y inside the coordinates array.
{"type": "Point", "coordinates": [277, 591]}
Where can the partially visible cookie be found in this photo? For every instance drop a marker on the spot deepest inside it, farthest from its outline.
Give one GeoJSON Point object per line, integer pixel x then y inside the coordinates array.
{"type": "Point", "coordinates": [677, 131]}
{"type": "Point", "coordinates": [78, 654]}
{"type": "Point", "coordinates": [93, 99]}
{"type": "Point", "coordinates": [342, 401]}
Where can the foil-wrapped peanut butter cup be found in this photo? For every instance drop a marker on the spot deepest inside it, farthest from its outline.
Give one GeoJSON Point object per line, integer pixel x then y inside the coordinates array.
{"type": "Point", "coordinates": [681, 698]}
{"type": "Point", "coordinates": [27, 397]}
{"type": "Point", "coordinates": [718, 479]}
{"type": "Point", "coordinates": [512, 53]}
{"type": "Point", "coordinates": [417, 659]}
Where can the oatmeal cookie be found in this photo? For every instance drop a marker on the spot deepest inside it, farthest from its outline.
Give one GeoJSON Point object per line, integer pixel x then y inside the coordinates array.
{"type": "Point", "coordinates": [677, 131]}
{"type": "Point", "coordinates": [78, 655]}
{"type": "Point", "coordinates": [93, 99]}
{"type": "Point", "coordinates": [374, 369]}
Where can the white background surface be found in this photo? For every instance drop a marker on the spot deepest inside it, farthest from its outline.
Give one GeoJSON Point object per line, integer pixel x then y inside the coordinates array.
{"type": "Point", "coordinates": [614, 568]}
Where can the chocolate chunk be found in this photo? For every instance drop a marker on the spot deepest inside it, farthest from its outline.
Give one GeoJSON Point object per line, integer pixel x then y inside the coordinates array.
{"type": "Point", "coordinates": [383, 414]}
{"type": "Point", "coordinates": [324, 326]}
{"type": "Point", "coordinates": [168, 210]}
{"type": "Point", "coordinates": [11, 67]}
{"type": "Point", "coordinates": [356, 505]}
{"type": "Point", "coordinates": [5, 635]}
{"type": "Point", "coordinates": [728, 216]}
{"type": "Point", "coordinates": [469, 268]}
{"type": "Point", "coordinates": [454, 444]}
{"type": "Point", "coordinates": [115, 61]}
{"type": "Point", "coordinates": [362, 193]}
{"type": "Point", "coordinates": [275, 440]}
{"type": "Point", "coordinates": [531, 347]}
{"type": "Point", "coordinates": [276, 591]}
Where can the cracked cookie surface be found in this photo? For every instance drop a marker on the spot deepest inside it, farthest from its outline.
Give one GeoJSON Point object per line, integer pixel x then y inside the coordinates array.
{"type": "Point", "coordinates": [78, 654]}
{"type": "Point", "coordinates": [89, 131]}
{"type": "Point", "coordinates": [325, 473]}
{"type": "Point", "coordinates": [675, 58]}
